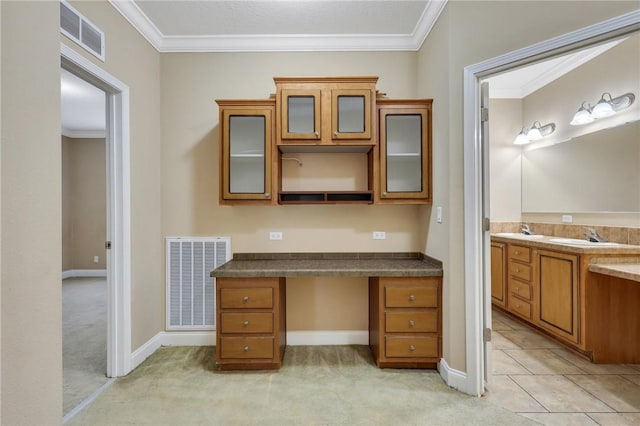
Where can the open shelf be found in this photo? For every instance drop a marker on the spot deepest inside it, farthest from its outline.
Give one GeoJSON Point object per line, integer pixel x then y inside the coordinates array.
{"type": "Point", "coordinates": [325, 197]}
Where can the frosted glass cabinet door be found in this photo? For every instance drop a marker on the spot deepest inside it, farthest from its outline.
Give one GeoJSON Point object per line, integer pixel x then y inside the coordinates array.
{"type": "Point", "coordinates": [405, 153]}
{"type": "Point", "coordinates": [351, 114]}
{"type": "Point", "coordinates": [246, 150]}
{"type": "Point", "coordinates": [300, 114]}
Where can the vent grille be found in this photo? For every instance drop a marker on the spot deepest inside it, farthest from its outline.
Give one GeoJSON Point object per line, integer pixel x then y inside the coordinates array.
{"type": "Point", "coordinates": [191, 302]}
{"type": "Point", "coordinates": [81, 30]}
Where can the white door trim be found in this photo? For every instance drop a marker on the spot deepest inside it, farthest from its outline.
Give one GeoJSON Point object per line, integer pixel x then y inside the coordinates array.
{"type": "Point", "coordinates": [119, 209]}
{"type": "Point", "coordinates": [475, 257]}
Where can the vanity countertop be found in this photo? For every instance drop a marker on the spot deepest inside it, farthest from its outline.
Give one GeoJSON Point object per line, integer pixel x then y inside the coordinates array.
{"type": "Point", "coordinates": [546, 242]}
{"type": "Point", "coordinates": [329, 264]}
{"type": "Point", "coordinates": [627, 271]}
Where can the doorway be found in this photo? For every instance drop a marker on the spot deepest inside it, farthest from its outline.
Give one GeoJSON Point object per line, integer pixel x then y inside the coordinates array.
{"type": "Point", "coordinates": [476, 187]}
{"type": "Point", "coordinates": [118, 238]}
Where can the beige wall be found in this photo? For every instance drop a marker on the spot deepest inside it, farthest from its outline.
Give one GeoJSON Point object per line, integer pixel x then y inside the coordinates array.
{"type": "Point", "coordinates": [470, 32]}
{"type": "Point", "coordinates": [505, 160]}
{"type": "Point", "coordinates": [31, 239]}
{"type": "Point", "coordinates": [84, 203]}
{"type": "Point", "coordinates": [190, 84]}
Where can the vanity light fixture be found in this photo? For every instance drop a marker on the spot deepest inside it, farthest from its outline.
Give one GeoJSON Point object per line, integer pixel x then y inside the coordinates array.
{"type": "Point", "coordinates": [535, 132]}
{"type": "Point", "coordinates": [522, 138]}
{"type": "Point", "coordinates": [604, 108]}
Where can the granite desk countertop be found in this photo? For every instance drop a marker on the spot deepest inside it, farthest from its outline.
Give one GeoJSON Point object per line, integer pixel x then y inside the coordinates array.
{"type": "Point", "coordinates": [248, 265]}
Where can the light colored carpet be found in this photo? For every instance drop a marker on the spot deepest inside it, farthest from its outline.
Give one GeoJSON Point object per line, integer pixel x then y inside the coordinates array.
{"type": "Point", "coordinates": [84, 338]}
{"type": "Point", "coordinates": [328, 385]}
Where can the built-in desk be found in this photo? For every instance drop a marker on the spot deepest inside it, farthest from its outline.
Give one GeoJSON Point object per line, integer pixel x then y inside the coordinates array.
{"type": "Point", "coordinates": [405, 305]}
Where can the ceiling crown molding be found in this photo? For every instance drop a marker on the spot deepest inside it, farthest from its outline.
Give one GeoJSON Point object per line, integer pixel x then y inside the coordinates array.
{"type": "Point", "coordinates": [280, 43]}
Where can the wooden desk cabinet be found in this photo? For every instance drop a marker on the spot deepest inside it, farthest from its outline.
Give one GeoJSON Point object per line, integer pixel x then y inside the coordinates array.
{"type": "Point", "coordinates": [405, 321]}
{"type": "Point", "coordinates": [251, 318]}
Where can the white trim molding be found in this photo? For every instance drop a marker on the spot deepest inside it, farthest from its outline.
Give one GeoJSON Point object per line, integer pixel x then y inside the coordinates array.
{"type": "Point", "coordinates": [328, 337]}
{"type": "Point", "coordinates": [75, 273]}
{"type": "Point", "coordinates": [171, 338]}
{"type": "Point", "coordinates": [84, 134]}
{"type": "Point", "coordinates": [280, 42]}
{"type": "Point", "coordinates": [118, 208]}
{"type": "Point", "coordinates": [476, 290]}
{"type": "Point", "coordinates": [455, 379]}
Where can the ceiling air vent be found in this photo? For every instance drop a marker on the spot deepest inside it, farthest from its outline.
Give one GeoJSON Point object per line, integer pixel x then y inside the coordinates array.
{"type": "Point", "coordinates": [82, 31]}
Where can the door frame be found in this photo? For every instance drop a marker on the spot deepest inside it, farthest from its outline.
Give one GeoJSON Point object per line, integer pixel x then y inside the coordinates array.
{"type": "Point", "coordinates": [118, 207]}
{"type": "Point", "coordinates": [477, 259]}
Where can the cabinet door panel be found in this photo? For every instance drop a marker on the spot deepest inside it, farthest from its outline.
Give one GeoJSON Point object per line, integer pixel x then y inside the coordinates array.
{"type": "Point", "coordinates": [350, 114]}
{"type": "Point", "coordinates": [558, 285]}
{"type": "Point", "coordinates": [300, 114]}
{"type": "Point", "coordinates": [498, 276]}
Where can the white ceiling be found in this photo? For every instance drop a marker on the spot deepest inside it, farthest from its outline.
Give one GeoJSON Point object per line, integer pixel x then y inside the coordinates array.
{"type": "Point", "coordinates": [282, 25]}
{"type": "Point", "coordinates": [83, 108]}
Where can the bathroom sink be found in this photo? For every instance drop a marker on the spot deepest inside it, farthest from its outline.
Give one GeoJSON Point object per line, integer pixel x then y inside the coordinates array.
{"type": "Point", "coordinates": [577, 242]}
{"type": "Point", "coordinates": [517, 235]}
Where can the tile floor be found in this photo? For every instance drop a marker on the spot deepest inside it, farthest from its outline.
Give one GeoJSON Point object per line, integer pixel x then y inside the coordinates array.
{"type": "Point", "coordinates": [536, 378]}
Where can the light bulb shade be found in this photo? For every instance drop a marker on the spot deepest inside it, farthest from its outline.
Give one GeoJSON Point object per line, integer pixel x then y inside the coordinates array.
{"type": "Point", "coordinates": [521, 139]}
{"type": "Point", "coordinates": [602, 109]}
{"type": "Point", "coordinates": [582, 116]}
{"type": "Point", "coordinates": [534, 134]}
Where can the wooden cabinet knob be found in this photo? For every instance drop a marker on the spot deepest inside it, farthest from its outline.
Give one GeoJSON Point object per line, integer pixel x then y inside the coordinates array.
{"type": "Point", "coordinates": [412, 348]}
{"type": "Point", "coordinates": [245, 323]}
{"type": "Point", "coordinates": [412, 298]}
{"type": "Point", "coordinates": [411, 323]}
{"type": "Point", "coordinates": [246, 349]}
{"type": "Point", "coordinates": [245, 299]}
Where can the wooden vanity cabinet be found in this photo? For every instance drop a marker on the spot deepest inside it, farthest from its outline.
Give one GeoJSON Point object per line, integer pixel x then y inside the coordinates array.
{"type": "Point", "coordinates": [251, 323]}
{"type": "Point", "coordinates": [557, 281]}
{"type": "Point", "coordinates": [498, 274]}
{"type": "Point", "coordinates": [405, 151]}
{"type": "Point", "coordinates": [248, 161]}
{"type": "Point", "coordinates": [405, 321]}
{"type": "Point", "coordinates": [519, 271]}
{"type": "Point", "coordinates": [326, 111]}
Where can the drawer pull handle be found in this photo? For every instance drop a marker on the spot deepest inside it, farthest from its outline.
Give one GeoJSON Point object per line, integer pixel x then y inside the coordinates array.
{"type": "Point", "coordinates": [411, 323]}
{"type": "Point", "coordinates": [246, 349]}
{"type": "Point", "coordinates": [412, 298]}
{"type": "Point", "coordinates": [245, 299]}
{"type": "Point", "coordinates": [412, 348]}
{"type": "Point", "coordinates": [517, 289]}
{"type": "Point", "coordinates": [517, 252]}
{"type": "Point", "coordinates": [317, 135]}
{"type": "Point", "coordinates": [245, 323]}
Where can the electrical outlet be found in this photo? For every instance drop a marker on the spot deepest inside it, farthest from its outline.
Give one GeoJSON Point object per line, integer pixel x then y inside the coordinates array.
{"type": "Point", "coordinates": [275, 236]}
{"type": "Point", "coordinates": [379, 235]}
{"type": "Point", "coordinates": [96, 259]}
{"type": "Point", "coordinates": [567, 218]}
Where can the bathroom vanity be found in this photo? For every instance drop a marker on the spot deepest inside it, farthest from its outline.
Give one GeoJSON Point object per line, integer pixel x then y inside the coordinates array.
{"type": "Point", "coordinates": [565, 288]}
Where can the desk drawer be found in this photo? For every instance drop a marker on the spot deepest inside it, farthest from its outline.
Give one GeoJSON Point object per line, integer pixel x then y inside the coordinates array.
{"type": "Point", "coordinates": [246, 347]}
{"type": "Point", "coordinates": [519, 306]}
{"type": "Point", "coordinates": [246, 298]}
{"type": "Point", "coordinates": [246, 322]}
{"type": "Point", "coordinates": [412, 321]}
{"type": "Point", "coordinates": [411, 346]}
{"type": "Point", "coordinates": [520, 289]}
{"type": "Point", "coordinates": [411, 297]}
{"type": "Point", "coordinates": [519, 270]}
{"type": "Point", "coordinates": [519, 252]}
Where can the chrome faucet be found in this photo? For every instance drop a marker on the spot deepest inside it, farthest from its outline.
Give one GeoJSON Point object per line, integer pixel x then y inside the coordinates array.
{"type": "Point", "coordinates": [593, 236]}
{"type": "Point", "coordinates": [526, 230]}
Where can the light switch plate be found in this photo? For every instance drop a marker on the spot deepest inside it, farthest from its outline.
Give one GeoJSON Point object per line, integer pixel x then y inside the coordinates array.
{"type": "Point", "coordinates": [439, 214]}
{"type": "Point", "coordinates": [567, 218]}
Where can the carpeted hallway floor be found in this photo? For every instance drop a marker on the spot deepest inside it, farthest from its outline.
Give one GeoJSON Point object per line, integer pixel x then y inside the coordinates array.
{"type": "Point", "coordinates": [84, 338]}
{"type": "Point", "coordinates": [329, 385]}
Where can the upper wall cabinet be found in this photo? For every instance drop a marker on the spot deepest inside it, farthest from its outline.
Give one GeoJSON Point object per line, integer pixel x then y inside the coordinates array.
{"type": "Point", "coordinates": [325, 111]}
{"type": "Point", "coordinates": [247, 151]}
{"type": "Point", "coordinates": [405, 150]}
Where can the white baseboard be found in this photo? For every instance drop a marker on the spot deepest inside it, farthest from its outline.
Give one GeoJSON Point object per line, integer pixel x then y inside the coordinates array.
{"type": "Point", "coordinates": [73, 273]}
{"type": "Point", "coordinates": [172, 338]}
{"type": "Point", "coordinates": [455, 379]}
{"type": "Point", "coordinates": [329, 337]}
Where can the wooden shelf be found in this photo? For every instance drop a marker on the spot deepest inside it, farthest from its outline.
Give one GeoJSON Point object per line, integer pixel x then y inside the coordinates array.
{"type": "Point", "coordinates": [325, 197]}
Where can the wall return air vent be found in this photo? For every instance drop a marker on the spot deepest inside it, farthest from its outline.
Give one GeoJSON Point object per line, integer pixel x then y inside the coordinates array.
{"type": "Point", "coordinates": [81, 30]}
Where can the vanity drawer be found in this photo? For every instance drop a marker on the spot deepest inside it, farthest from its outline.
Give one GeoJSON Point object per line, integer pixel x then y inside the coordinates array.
{"type": "Point", "coordinates": [411, 297]}
{"type": "Point", "coordinates": [411, 346]}
{"type": "Point", "coordinates": [520, 270]}
{"type": "Point", "coordinates": [520, 289]}
{"type": "Point", "coordinates": [246, 322]}
{"type": "Point", "coordinates": [520, 253]}
{"type": "Point", "coordinates": [246, 298]}
{"type": "Point", "coordinates": [246, 347]}
{"type": "Point", "coordinates": [412, 321]}
{"type": "Point", "coordinates": [519, 306]}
